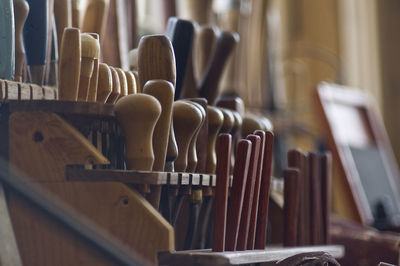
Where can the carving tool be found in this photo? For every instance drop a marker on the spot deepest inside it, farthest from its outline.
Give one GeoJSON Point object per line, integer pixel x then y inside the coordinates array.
{"type": "Point", "coordinates": [123, 82]}
{"type": "Point", "coordinates": [296, 159]}
{"type": "Point", "coordinates": [35, 40]}
{"type": "Point", "coordinates": [237, 194]}
{"type": "Point", "coordinates": [130, 79]}
{"type": "Point", "coordinates": [90, 52]}
{"type": "Point", "coordinates": [92, 94]}
{"type": "Point", "coordinates": [116, 87]}
{"type": "Point", "coordinates": [221, 193]}
{"type": "Point", "coordinates": [224, 45]}
{"type": "Point", "coordinates": [262, 217]}
{"type": "Point", "coordinates": [69, 65]}
{"type": "Point", "coordinates": [315, 199]}
{"type": "Point", "coordinates": [138, 115]}
{"type": "Point", "coordinates": [291, 206]}
{"type": "Point", "coordinates": [181, 33]}
{"type": "Point", "coordinates": [163, 91]}
{"type": "Point", "coordinates": [215, 121]}
{"type": "Point", "coordinates": [203, 47]}
{"type": "Point", "coordinates": [62, 15]}
{"type": "Point", "coordinates": [326, 177]}
{"type": "Point", "coordinates": [94, 17]}
{"type": "Point", "coordinates": [254, 209]}
{"type": "Point", "coordinates": [187, 119]}
{"type": "Point", "coordinates": [21, 9]}
{"type": "Point", "coordinates": [249, 193]}
{"type": "Point", "coordinates": [76, 13]}
{"type": "Point", "coordinates": [104, 87]}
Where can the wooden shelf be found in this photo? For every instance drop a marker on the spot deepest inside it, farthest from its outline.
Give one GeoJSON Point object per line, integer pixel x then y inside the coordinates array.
{"type": "Point", "coordinates": [77, 173]}
{"type": "Point", "coordinates": [268, 256]}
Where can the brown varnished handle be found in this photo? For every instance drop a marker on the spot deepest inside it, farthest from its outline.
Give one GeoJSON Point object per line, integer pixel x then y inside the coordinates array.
{"type": "Point", "coordinates": [249, 193]}
{"type": "Point", "coordinates": [116, 86]}
{"type": "Point", "coordinates": [21, 9]}
{"type": "Point", "coordinates": [204, 43]}
{"type": "Point", "coordinates": [138, 115]}
{"type": "Point", "coordinates": [237, 194]}
{"type": "Point", "coordinates": [251, 123]}
{"type": "Point", "coordinates": [315, 199]}
{"type": "Point", "coordinates": [221, 193]}
{"type": "Point", "coordinates": [257, 185]}
{"type": "Point", "coordinates": [229, 121]}
{"type": "Point", "coordinates": [225, 43]}
{"type": "Point", "coordinates": [104, 85]}
{"type": "Point", "coordinates": [262, 218]}
{"type": "Point", "coordinates": [291, 206]}
{"type": "Point", "coordinates": [192, 154]}
{"type": "Point", "coordinates": [69, 65]}
{"type": "Point", "coordinates": [326, 180]}
{"type": "Point", "coordinates": [90, 52]}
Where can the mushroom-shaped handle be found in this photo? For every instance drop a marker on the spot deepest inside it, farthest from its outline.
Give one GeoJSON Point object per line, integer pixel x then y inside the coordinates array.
{"type": "Point", "coordinates": [104, 85]}
{"type": "Point", "coordinates": [215, 121]}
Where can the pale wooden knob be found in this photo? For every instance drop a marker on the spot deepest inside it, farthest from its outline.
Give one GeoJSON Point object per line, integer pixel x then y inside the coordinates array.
{"type": "Point", "coordinates": [138, 115]}
{"type": "Point", "coordinates": [95, 76]}
{"type": "Point", "coordinates": [229, 121]}
{"type": "Point", "coordinates": [69, 67]}
{"type": "Point", "coordinates": [123, 82]}
{"type": "Point", "coordinates": [163, 91]}
{"type": "Point", "coordinates": [192, 155]}
{"type": "Point", "coordinates": [250, 124]}
{"type": "Point", "coordinates": [187, 119]}
{"type": "Point", "coordinates": [21, 9]}
{"type": "Point", "coordinates": [116, 86]}
{"type": "Point", "coordinates": [130, 78]}
{"type": "Point", "coordinates": [90, 52]}
{"type": "Point", "coordinates": [156, 59]}
{"type": "Point", "coordinates": [215, 121]}
{"type": "Point", "coordinates": [104, 85]}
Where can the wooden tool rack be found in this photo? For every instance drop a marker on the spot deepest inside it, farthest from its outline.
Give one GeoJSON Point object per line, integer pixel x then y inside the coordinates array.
{"type": "Point", "coordinates": [58, 146]}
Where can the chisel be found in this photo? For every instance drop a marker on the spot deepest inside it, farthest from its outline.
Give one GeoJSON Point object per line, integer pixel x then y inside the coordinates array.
{"type": "Point", "coordinates": [104, 87]}
{"type": "Point", "coordinates": [21, 9]}
{"type": "Point", "coordinates": [237, 194]}
{"type": "Point", "coordinates": [69, 65]}
{"type": "Point", "coordinates": [90, 51]}
{"type": "Point", "coordinates": [221, 192]}
{"type": "Point", "coordinates": [35, 40]}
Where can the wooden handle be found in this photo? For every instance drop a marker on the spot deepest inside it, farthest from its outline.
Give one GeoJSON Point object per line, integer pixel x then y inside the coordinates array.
{"type": "Point", "coordinates": [156, 59]}
{"type": "Point", "coordinates": [136, 75]}
{"type": "Point", "coordinates": [138, 115]}
{"type": "Point", "coordinates": [262, 218]}
{"type": "Point", "coordinates": [326, 180]}
{"type": "Point", "coordinates": [76, 13]}
{"type": "Point", "coordinates": [94, 18]}
{"type": "Point", "coordinates": [62, 15]}
{"type": "Point", "coordinates": [123, 82]}
{"type": "Point", "coordinates": [189, 88]}
{"type": "Point", "coordinates": [204, 43]}
{"type": "Point", "coordinates": [95, 76]}
{"type": "Point", "coordinates": [104, 87]}
{"type": "Point", "coordinates": [90, 51]}
{"type": "Point", "coordinates": [35, 39]}
{"type": "Point", "coordinates": [250, 124]}
{"type": "Point", "coordinates": [187, 119]}
{"type": "Point", "coordinates": [7, 41]}
{"type": "Point", "coordinates": [215, 121]}
{"type": "Point", "coordinates": [69, 65]}
{"type": "Point", "coordinates": [229, 121]}
{"type": "Point", "coordinates": [181, 33]}
{"type": "Point", "coordinates": [223, 48]}
{"type": "Point", "coordinates": [315, 199]}
{"type": "Point", "coordinates": [291, 206]}
{"type": "Point", "coordinates": [116, 86]}
{"type": "Point", "coordinates": [221, 193]}
{"type": "Point", "coordinates": [254, 209]}
{"type": "Point", "coordinates": [198, 11]}
{"type": "Point", "coordinates": [249, 193]}
{"type": "Point", "coordinates": [192, 153]}
{"type": "Point", "coordinates": [21, 9]}
{"type": "Point", "coordinates": [133, 59]}
{"type": "Point", "coordinates": [237, 193]}
{"type": "Point", "coordinates": [130, 78]}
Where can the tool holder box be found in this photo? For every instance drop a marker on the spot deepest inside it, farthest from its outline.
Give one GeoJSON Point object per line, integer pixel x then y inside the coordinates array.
{"type": "Point", "coordinates": [60, 147]}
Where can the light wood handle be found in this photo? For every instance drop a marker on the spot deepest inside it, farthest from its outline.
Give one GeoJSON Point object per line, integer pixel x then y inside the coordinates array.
{"type": "Point", "coordinates": [133, 59]}
{"type": "Point", "coordinates": [95, 76]}
{"type": "Point", "coordinates": [116, 86]}
{"type": "Point", "coordinates": [138, 115]}
{"type": "Point", "coordinates": [90, 52]}
{"type": "Point", "coordinates": [130, 79]}
{"type": "Point", "coordinates": [187, 119]}
{"type": "Point", "coordinates": [156, 59]}
{"type": "Point", "coordinates": [21, 9]}
{"type": "Point", "coordinates": [215, 121]}
{"type": "Point", "coordinates": [94, 18]}
{"type": "Point", "coordinates": [69, 65]}
{"type": "Point", "coordinates": [104, 86]}
{"type": "Point", "coordinates": [76, 13]}
{"type": "Point", "coordinates": [136, 75]}
{"type": "Point", "coordinates": [62, 15]}
{"type": "Point", "coordinates": [123, 82]}
{"type": "Point", "coordinates": [198, 11]}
